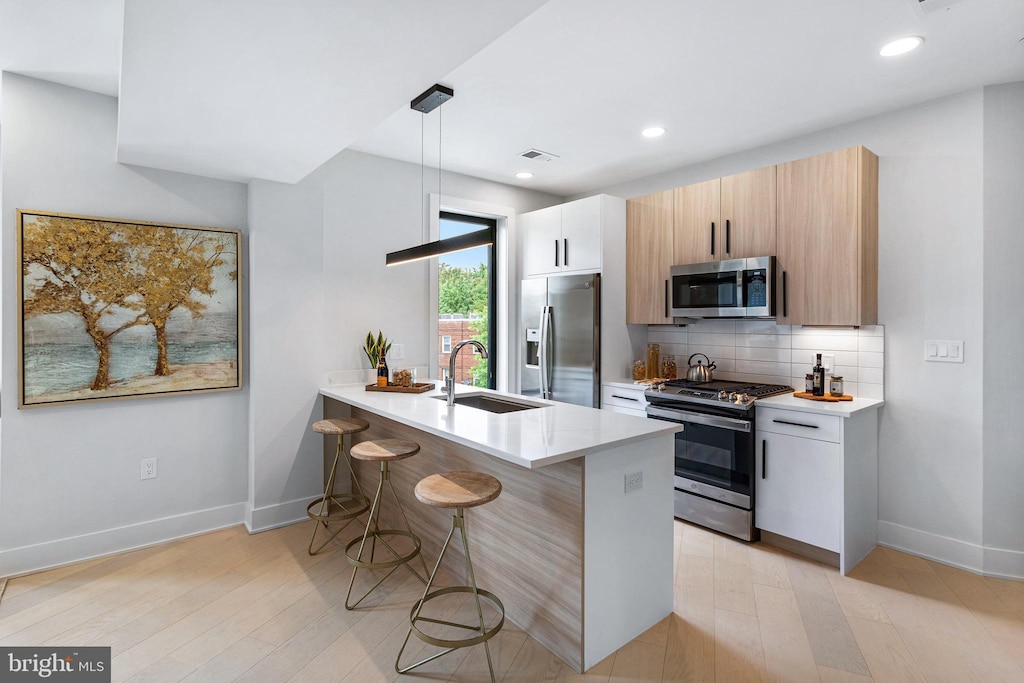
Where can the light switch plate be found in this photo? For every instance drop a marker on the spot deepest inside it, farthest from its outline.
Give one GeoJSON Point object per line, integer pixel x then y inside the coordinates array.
{"type": "Point", "coordinates": [944, 351]}
{"type": "Point", "coordinates": [397, 351]}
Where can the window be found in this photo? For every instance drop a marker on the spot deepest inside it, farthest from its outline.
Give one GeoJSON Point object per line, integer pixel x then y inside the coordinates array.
{"type": "Point", "coordinates": [466, 287]}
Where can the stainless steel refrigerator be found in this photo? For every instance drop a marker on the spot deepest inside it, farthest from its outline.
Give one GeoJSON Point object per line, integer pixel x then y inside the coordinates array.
{"type": "Point", "coordinates": [561, 339]}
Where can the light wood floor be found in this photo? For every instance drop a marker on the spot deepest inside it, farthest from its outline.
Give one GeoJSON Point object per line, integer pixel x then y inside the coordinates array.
{"type": "Point", "coordinates": [227, 606]}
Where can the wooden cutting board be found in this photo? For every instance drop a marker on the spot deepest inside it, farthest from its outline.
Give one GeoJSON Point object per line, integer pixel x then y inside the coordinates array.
{"type": "Point", "coordinates": [826, 397]}
{"type": "Point", "coordinates": [417, 388]}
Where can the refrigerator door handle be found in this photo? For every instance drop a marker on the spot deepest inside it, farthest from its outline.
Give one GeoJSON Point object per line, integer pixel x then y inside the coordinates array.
{"type": "Point", "coordinates": [545, 355]}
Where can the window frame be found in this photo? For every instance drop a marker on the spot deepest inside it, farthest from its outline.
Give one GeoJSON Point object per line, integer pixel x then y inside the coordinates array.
{"type": "Point", "coordinates": [489, 224]}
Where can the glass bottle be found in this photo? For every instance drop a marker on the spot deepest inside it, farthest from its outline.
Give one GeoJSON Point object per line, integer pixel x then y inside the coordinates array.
{"type": "Point", "coordinates": [639, 370]}
{"type": "Point", "coordinates": [382, 372]}
{"type": "Point", "coordinates": [668, 367]}
{"type": "Point", "coordinates": [653, 352]}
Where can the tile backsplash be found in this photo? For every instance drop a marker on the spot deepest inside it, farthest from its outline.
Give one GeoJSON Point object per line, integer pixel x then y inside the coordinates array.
{"type": "Point", "coordinates": [779, 354]}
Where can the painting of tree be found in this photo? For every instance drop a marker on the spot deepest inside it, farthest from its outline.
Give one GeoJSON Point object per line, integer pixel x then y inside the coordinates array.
{"type": "Point", "coordinates": [113, 309]}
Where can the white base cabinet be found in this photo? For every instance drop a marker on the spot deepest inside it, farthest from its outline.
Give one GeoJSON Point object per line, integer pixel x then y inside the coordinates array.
{"type": "Point", "coordinates": [816, 480]}
{"type": "Point", "coordinates": [627, 399]}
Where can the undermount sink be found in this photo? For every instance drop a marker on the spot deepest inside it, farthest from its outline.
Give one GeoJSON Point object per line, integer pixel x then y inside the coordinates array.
{"type": "Point", "coordinates": [492, 404]}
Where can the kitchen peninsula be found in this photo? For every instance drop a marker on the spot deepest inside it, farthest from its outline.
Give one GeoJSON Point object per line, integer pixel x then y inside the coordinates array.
{"type": "Point", "coordinates": [561, 546]}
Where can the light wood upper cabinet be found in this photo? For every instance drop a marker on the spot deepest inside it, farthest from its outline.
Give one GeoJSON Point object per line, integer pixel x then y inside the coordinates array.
{"type": "Point", "coordinates": [697, 213]}
{"type": "Point", "coordinates": [747, 228]}
{"type": "Point", "coordinates": [726, 218]}
{"type": "Point", "coordinates": [828, 239]}
{"type": "Point", "coordinates": [649, 223]}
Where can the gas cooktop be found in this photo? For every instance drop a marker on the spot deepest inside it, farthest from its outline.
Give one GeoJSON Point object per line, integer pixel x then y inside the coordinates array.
{"type": "Point", "coordinates": [725, 393]}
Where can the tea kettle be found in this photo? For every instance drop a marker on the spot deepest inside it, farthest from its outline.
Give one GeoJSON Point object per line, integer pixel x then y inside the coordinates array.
{"type": "Point", "coordinates": [699, 372]}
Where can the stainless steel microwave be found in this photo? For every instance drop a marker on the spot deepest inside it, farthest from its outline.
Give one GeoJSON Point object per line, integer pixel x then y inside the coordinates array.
{"type": "Point", "coordinates": [737, 288]}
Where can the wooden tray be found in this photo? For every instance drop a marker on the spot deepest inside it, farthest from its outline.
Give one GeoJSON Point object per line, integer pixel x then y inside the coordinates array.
{"type": "Point", "coordinates": [826, 397]}
{"type": "Point", "coordinates": [417, 388]}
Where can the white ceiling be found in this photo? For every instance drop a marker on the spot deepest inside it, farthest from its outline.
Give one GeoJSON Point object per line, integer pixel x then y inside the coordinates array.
{"type": "Point", "coordinates": [263, 88]}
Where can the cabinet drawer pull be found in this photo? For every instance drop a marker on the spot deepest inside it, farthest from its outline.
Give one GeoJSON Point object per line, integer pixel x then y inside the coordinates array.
{"type": "Point", "coordinates": [728, 236]}
{"type": "Point", "coordinates": [666, 298]}
{"type": "Point", "coordinates": [764, 452]}
{"type": "Point", "coordinates": [712, 238]}
{"type": "Point", "coordinates": [784, 288]}
{"type": "Point", "coordinates": [556, 253]}
{"type": "Point", "coordinates": [565, 252]}
{"type": "Point", "coordinates": [795, 424]}
{"type": "Point", "coordinates": [625, 398]}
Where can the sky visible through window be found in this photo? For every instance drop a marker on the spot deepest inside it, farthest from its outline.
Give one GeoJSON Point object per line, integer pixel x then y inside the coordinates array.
{"type": "Point", "coordinates": [470, 258]}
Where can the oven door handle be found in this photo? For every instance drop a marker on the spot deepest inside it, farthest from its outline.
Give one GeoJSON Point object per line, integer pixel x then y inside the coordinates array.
{"type": "Point", "coordinates": [674, 415]}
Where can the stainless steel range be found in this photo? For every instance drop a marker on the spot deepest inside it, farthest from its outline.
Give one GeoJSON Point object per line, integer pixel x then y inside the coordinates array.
{"type": "Point", "coordinates": [714, 454]}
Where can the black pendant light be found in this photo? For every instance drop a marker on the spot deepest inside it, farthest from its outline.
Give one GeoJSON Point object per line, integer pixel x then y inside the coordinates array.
{"type": "Point", "coordinates": [425, 103]}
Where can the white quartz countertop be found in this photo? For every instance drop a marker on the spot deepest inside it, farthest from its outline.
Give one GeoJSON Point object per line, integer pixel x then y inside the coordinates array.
{"type": "Point", "coordinates": [530, 438]}
{"type": "Point", "coordinates": [803, 405]}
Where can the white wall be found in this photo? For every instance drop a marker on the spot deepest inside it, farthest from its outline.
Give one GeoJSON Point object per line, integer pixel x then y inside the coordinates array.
{"type": "Point", "coordinates": [288, 349]}
{"type": "Point", "coordinates": [1004, 329]}
{"type": "Point", "coordinates": [371, 208]}
{"type": "Point", "coordinates": [69, 475]}
{"type": "Point", "coordinates": [930, 287]}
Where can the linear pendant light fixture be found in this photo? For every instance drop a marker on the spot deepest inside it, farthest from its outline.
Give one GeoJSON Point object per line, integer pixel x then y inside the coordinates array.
{"type": "Point", "coordinates": [425, 103]}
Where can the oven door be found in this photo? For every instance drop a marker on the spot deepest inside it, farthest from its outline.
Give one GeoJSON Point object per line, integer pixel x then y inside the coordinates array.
{"type": "Point", "coordinates": [708, 289]}
{"type": "Point", "coordinates": [714, 454]}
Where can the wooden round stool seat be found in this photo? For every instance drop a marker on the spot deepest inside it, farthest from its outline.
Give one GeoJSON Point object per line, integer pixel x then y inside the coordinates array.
{"type": "Point", "coordinates": [384, 450]}
{"type": "Point", "coordinates": [458, 489]}
{"type": "Point", "coordinates": [340, 426]}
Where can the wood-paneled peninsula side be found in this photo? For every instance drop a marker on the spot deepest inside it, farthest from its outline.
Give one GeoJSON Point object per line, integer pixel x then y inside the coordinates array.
{"type": "Point", "coordinates": [582, 566]}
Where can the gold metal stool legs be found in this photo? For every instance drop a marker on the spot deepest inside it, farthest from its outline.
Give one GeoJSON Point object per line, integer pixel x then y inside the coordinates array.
{"type": "Point", "coordinates": [336, 507]}
{"type": "Point", "coordinates": [458, 521]}
{"type": "Point", "coordinates": [375, 533]}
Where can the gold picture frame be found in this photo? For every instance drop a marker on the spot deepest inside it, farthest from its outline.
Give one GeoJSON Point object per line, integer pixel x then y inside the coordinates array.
{"type": "Point", "coordinates": [113, 309]}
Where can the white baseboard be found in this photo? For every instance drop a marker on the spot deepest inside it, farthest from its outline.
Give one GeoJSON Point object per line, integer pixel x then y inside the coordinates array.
{"type": "Point", "coordinates": [998, 562]}
{"type": "Point", "coordinates": [1004, 564]}
{"type": "Point", "coordinates": [273, 516]}
{"type": "Point", "coordinates": [40, 556]}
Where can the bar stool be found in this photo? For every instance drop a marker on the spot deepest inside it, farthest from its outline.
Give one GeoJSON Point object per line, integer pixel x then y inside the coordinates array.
{"type": "Point", "coordinates": [383, 451]}
{"type": "Point", "coordinates": [459, 490]}
{"type": "Point", "coordinates": [336, 507]}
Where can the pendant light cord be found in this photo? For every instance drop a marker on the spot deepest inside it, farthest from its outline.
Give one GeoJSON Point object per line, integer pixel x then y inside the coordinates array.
{"type": "Point", "coordinates": [440, 129]}
{"type": "Point", "coordinates": [423, 183]}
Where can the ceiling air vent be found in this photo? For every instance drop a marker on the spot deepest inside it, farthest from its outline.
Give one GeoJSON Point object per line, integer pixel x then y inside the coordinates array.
{"type": "Point", "coordinates": [537, 155]}
{"type": "Point", "coordinates": [932, 6]}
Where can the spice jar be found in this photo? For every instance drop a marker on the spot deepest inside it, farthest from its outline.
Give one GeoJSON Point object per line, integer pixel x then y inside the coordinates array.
{"type": "Point", "coordinates": [809, 383]}
{"type": "Point", "coordinates": [653, 352]}
{"type": "Point", "coordinates": [639, 370]}
{"type": "Point", "coordinates": [668, 367]}
{"type": "Point", "coordinates": [835, 386]}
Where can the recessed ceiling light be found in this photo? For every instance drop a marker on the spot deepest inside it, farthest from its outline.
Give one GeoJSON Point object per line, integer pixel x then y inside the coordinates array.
{"type": "Point", "coordinates": [524, 175]}
{"type": "Point", "coordinates": [655, 132]}
{"type": "Point", "coordinates": [901, 46]}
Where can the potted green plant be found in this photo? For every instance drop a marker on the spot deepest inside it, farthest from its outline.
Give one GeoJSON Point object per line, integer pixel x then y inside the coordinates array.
{"type": "Point", "coordinates": [374, 348]}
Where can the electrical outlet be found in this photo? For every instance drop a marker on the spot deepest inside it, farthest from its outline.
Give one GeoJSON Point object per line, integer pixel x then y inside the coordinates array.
{"type": "Point", "coordinates": [149, 468]}
{"type": "Point", "coordinates": [634, 481]}
{"type": "Point", "coordinates": [397, 351]}
{"type": "Point", "coordinates": [828, 361]}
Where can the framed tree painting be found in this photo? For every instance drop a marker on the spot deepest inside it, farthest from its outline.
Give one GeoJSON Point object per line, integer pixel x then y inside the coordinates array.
{"type": "Point", "coordinates": [113, 309]}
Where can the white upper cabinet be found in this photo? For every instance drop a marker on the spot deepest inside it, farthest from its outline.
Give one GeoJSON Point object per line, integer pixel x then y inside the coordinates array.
{"type": "Point", "coordinates": [562, 238]}
{"type": "Point", "coordinates": [542, 234]}
{"type": "Point", "coordinates": [581, 234]}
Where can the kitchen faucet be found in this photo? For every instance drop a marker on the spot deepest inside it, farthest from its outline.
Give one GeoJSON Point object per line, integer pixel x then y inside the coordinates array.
{"type": "Point", "coordinates": [449, 381]}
